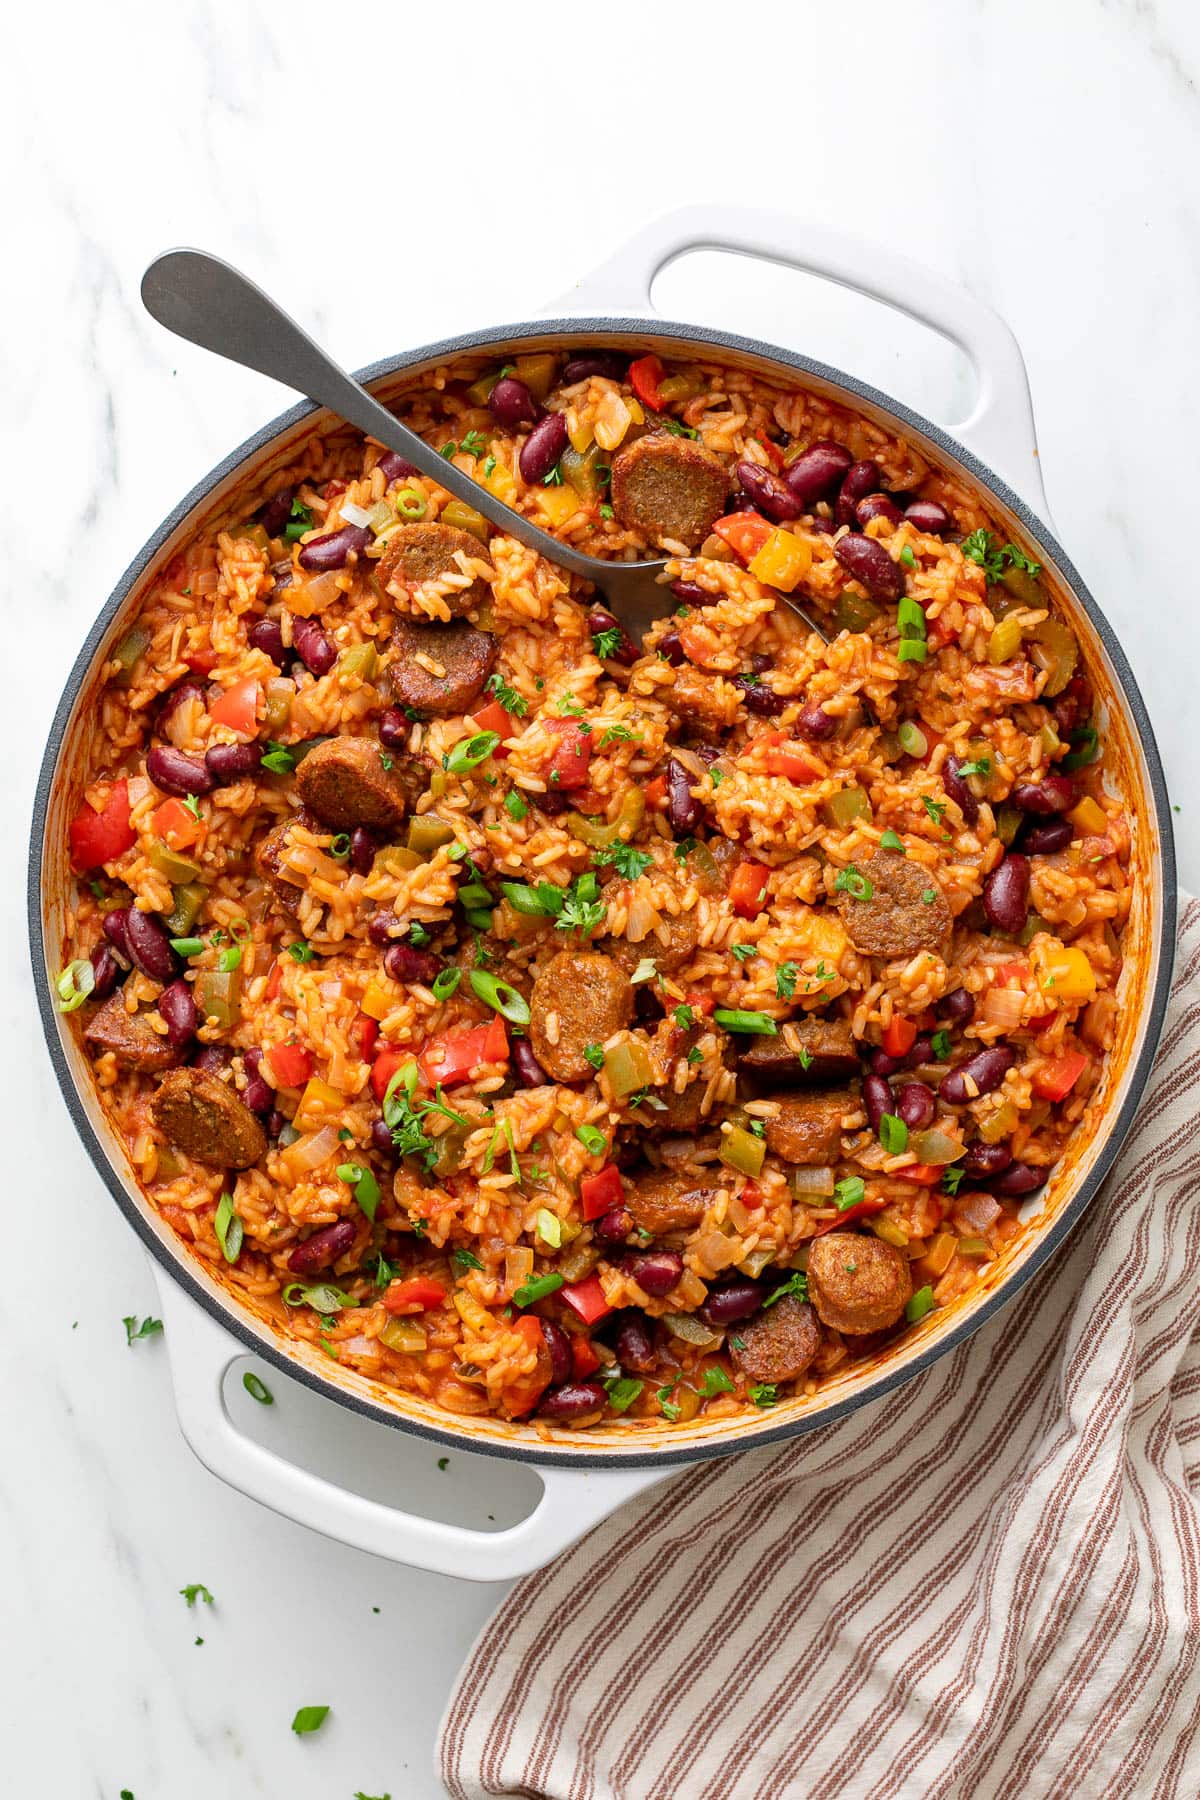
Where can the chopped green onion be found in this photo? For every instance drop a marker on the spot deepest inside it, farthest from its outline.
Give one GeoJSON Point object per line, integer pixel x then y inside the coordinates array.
{"type": "Point", "coordinates": [912, 650]}
{"type": "Point", "coordinates": [230, 959]}
{"type": "Point", "coordinates": [410, 504]}
{"type": "Point", "coordinates": [893, 1134]}
{"type": "Point", "coordinates": [939, 1046]}
{"type": "Point", "coordinates": [228, 1228]}
{"type": "Point", "coordinates": [75, 984]}
{"type": "Point", "coordinates": [515, 804]}
{"type": "Point", "coordinates": [323, 1297]}
{"type": "Point", "coordinates": [851, 881]}
{"type": "Point", "coordinates": [919, 1305]}
{"type": "Point", "coordinates": [257, 1390]}
{"type": "Point", "coordinates": [912, 739]}
{"type": "Point", "coordinates": [187, 946]}
{"type": "Point", "coordinates": [501, 996]}
{"type": "Point", "coordinates": [470, 752]}
{"type": "Point", "coordinates": [849, 1192]}
{"type": "Point", "coordinates": [445, 983]}
{"type": "Point", "coordinates": [301, 952]}
{"type": "Point", "coordinates": [907, 557]}
{"type": "Point", "coordinates": [910, 618]}
{"type": "Point", "coordinates": [646, 970]}
{"type": "Point", "coordinates": [339, 847]}
{"type": "Point", "coordinates": [545, 901]}
{"type": "Point", "coordinates": [538, 1289]}
{"type": "Point", "coordinates": [891, 840]}
{"type": "Point", "coordinates": [366, 1188]}
{"type": "Point", "coordinates": [593, 1141]}
{"type": "Point", "coordinates": [757, 1024]}
{"type": "Point", "coordinates": [684, 1017]}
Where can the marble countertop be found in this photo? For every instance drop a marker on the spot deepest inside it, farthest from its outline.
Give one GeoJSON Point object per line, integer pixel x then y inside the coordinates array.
{"type": "Point", "coordinates": [1044, 156]}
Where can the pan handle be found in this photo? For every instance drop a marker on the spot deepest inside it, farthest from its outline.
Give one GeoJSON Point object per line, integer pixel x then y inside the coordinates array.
{"type": "Point", "coordinates": [573, 1500]}
{"type": "Point", "coordinates": [1000, 428]}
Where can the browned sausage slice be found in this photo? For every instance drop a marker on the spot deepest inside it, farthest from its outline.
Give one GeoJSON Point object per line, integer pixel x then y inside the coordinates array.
{"type": "Point", "coordinates": [680, 932]}
{"type": "Point", "coordinates": [857, 1282]}
{"type": "Point", "coordinates": [809, 1130]}
{"type": "Point", "coordinates": [778, 1343]}
{"type": "Point", "coordinates": [268, 860]}
{"type": "Point", "coordinates": [669, 487]}
{"type": "Point", "coordinates": [808, 1052]}
{"type": "Point", "coordinates": [440, 669]}
{"type": "Point", "coordinates": [661, 1202]}
{"type": "Point", "coordinates": [349, 781]}
{"type": "Point", "coordinates": [417, 553]}
{"type": "Point", "coordinates": [129, 1037]}
{"type": "Point", "coordinates": [202, 1116]}
{"type": "Point", "coordinates": [579, 998]}
{"type": "Point", "coordinates": [906, 911]}
{"type": "Point", "coordinates": [699, 702]}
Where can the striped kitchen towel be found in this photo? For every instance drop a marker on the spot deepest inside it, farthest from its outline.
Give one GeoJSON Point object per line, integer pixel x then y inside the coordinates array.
{"type": "Point", "coordinates": [985, 1585]}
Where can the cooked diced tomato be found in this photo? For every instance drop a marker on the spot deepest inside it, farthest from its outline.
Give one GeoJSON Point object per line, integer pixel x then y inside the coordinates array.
{"type": "Point", "coordinates": [655, 793]}
{"type": "Point", "coordinates": [1054, 1080]}
{"type": "Point", "coordinates": [751, 1196]}
{"type": "Point", "coordinates": [584, 1358]}
{"type": "Point", "coordinates": [201, 662]}
{"type": "Point", "coordinates": [568, 765]}
{"type": "Point", "coordinates": [454, 1056]}
{"type": "Point", "coordinates": [748, 889]}
{"type": "Point", "coordinates": [602, 1191]}
{"type": "Point", "coordinates": [644, 377]}
{"type": "Point", "coordinates": [522, 1395]}
{"type": "Point", "coordinates": [275, 978]}
{"type": "Point", "coordinates": [771, 451]}
{"type": "Point", "coordinates": [701, 1002]}
{"type": "Point", "coordinates": [586, 1299]}
{"type": "Point", "coordinates": [900, 1035]}
{"type": "Point", "coordinates": [1012, 972]}
{"type": "Point", "coordinates": [494, 718]}
{"type": "Point", "coordinates": [176, 825]}
{"type": "Point", "coordinates": [417, 1294]}
{"type": "Point", "coordinates": [100, 837]}
{"type": "Point", "coordinates": [363, 1035]}
{"type": "Point", "coordinates": [925, 1174]}
{"type": "Point", "coordinates": [744, 532]}
{"type": "Point", "coordinates": [291, 1064]}
{"type": "Point", "coordinates": [863, 1210]}
{"type": "Point", "coordinates": [794, 762]}
{"type": "Point", "coordinates": [390, 1058]}
{"type": "Point", "coordinates": [238, 707]}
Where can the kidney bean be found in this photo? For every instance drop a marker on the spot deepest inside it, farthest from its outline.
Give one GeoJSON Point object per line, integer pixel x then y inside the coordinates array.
{"type": "Point", "coordinates": [380, 927]}
{"type": "Point", "coordinates": [814, 723]}
{"type": "Point", "coordinates": [107, 971]}
{"type": "Point", "coordinates": [877, 506]}
{"type": "Point", "coordinates": [395, 466]}
{"type": "Point", "coordinates": [877, 1099]}
{"type": "Point", "coordinates": [1053, 794]}
{"type": "Point", "coordinates": [149, 946]}
{"type": "Point", "coordinates": [115, 926]}
{"type": "Point", "coordinates": [916, 1105]}
{"type": "Point", "coordinates": [958, 1007]}
{"type": "Point", "coordinates": [614, 1226]}
{"type": "Point", "coordinates": [758, 698]}
{"type": "Point", "coordinates": [733, 1300]}
{"type": "Point", "coordinates": [276, 513]}
{"type": "Point", "coordinates": [404, 962]}
{"type": "Point", "coordinates": [683, 809]}
{"type": "Point", "coordinates": [259, 1095]}
{"type": "Point", "coordinates": [393, 728]}
{"type": "Point", "coordinates": [871, 566]}
{"type": "Point", "coordinates": [608, 363]}
{"type": "Point", "coordinates": [769, 493]}
{"type": "Point", "coordinates": [529, 1070]}
{"type": "Point", "coordinates": [572, 1400]}
{"type": "Point", "coordinates": [657, 1272]}
{"type": "Point", "coordinates": [1019, 1178]}
{"type": "Point", "coordinates": [862, 478]}
{"type": "Point", "coordinates": [512, 405]}
{"type": "Point", "coordinates": [381, 1137]}
{"type": "Point", "coordinates": [1006, 894]}
{"type": "Point", "coordinates": [986, 1070]}
{"type": "Point", "coordinates": [322, 1248]}
{"type": "Point", "coordinates": [178, 1011]}
{"type": "Point", "coordinates": [982, 1161]}
{"type": "Point", "coordinates": [692, 594]}
{"type": "Point", "coordinates": [958, 790]}
{"type": "Point", "coordinates": [670, 647]}
{"type": "Point", "coordinates": [177, 773]}
{"type": "Point", "coordinates": [177, 696]}
{"type": "Point", "coordinates": [559, 1345]}
{"type": "Point", "coordinates": [542, 448]}
{"type": "Point", "coordinates": [214, 1059]}
{"type": "Point", "coordinates": [282, 577]}
{"type": "Point", "coordinates": [230, 762]}
{"type": "Point", "coordinates": [362, 850]}
{"type": "Point", "coordinates": [313, 646]}
{"type": "Point", "coordinates": [274, 1123]}
{"type": "Point", "coordinates": [634, 1343]}
{"type": "Point", "coordinates": [817, 469]}
{"type": "Point", "coordinates": [760, 662]}
{"type": "Point", "coordinates": [1073, 707]}
{"type": "Point", "coordinates": [267, 636]}
{"type": "Point", "coordinates": [1045, 840]}
{"type": "Point", "coordinates": [930, 516]}
{"type": "Point", "coordinates": [626, 651]}
{"type": "Point", "coordinates": [333, 550]}
{"type": "Point", "coordinates": [880, 1063]}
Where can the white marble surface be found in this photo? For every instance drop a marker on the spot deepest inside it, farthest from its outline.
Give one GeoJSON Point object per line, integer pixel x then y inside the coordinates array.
{"type": "Point", "coordinates": [1045, 154]}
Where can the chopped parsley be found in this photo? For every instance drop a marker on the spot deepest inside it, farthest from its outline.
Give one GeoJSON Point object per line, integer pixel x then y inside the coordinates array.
{"type": "Point", "coordinates": [510, 700]}
{"type": "Point", "coordinates": [982, 766]}
{"type": "Point", "coordinates": [939, 1045]}
{"type": "Point", "coordinates": [466, 1259]}
{"type": "Point", "coordinates": [628, 862]}
{"type": "Point", "coordinates": [299, 521]}
{"type": "Point", "coordinates": [952, 1179]}
{"type": "Point", "coordinates": [716, 1381]}
{"type": "Point", "coordinates": [891, 840]}
{"type": "Point", "coordinates": [744, 952]}
{"type": "Point", "coordinates": [192, 805]}
{"type": "Point", "coordinates": [685, 1018]}
{"type": "Point", "coordinates": [488, 466]}
{"type": "Point", "coordinates": [764, 1393]}
{"type": "Point", "coordinates": [606, 643]}
{"type": "Point", "coordinates": [594, 1055]}
{"type": "Point", "coordinates": [935, 808]}
{"type": "Point", "coordinates": [785, 980]}
{"type": "Point", "coordinates": [796, 1283]}
{"type": "Point", "coordinates": [663, 1395]}
{"type": "Point", "coordinates": [805, 1057]}
{"type": "Point", "coordinates": [677, 429]}
{"type": "Point", "coordinates": [606, 512]}
{"type": "Point", "coordinates": [695, 1055]}
{"type": "Point", "coordinates": [928, 896]}
{"type": "Point", "coordinates": [981, 547]}
{"type": "Point", "coordinates": [582, 909]}
{"type": "Point", "coordinates": [418, 935]}
{"type": "Point", "coordinates": [617, 734]}
{"type": "Point", "coordinates": [473, 443]}
{"type": "Point", "coordinates": [134, 1330]}
{"type": "Point", "coordinates": [515, 804]}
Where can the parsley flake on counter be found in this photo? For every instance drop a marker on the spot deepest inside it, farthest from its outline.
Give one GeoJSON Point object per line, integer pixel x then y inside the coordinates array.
{"type": "Point", "coordinates": [196, 1590]}
{"type": "Point", "coordinates": [134, 1330]}
{"type": "Point", "coordinates": [309, 1718]}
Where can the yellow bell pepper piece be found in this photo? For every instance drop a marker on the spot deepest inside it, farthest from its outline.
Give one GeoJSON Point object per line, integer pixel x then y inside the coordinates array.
{"type": "Point", "coordinates": [821, 935]}
{"type": "Point", "coordinates": [559, 504]}
{"type": "Point", "coordinates": [613, 419]}
{"type": "Point", "coordinates": [783, 561]}
{"type": "Point", "coordinates": [500, 481]}
{"type": "Point", "coordinates": [1005, 640]}
{"type": "Point", "coordinates": [316, 1102]}
{"type": "Point", "coordinates": [475, 1317]}
{"type": "Point", "coordinates": [579, 432]}
{"type": "Point", "coordinates": [1064, 975]}
{"type": "Point", "coordinates": [376, 1002]}
{"type": "Point", "coordinates": [1089, 817]}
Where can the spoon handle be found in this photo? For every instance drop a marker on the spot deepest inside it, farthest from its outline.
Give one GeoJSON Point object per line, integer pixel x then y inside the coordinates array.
{"type": "Point", "coordinates": [207, 301]}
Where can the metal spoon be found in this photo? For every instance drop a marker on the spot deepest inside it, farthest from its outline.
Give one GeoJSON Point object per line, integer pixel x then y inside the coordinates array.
{"type": "Point", "coordinates": [210, 303]}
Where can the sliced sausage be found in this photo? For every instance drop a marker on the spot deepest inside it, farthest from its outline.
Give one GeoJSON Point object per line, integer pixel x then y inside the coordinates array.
{"type": "Point", "coordinates": [349, 781]}
{"type": "Point", "coordinates": [130, 1038]}
{"type": "Point", "coordinates": [268, 861]}
{"type": "Point", "coordinates": [809, 1129]}
{"type": "Point", "coordinates": [669, 487]}
{"type": "Point", "coordinates": [465, 657]}
{"type": "Point", "coordinates": [579, 998]}
{"type": "Point", "coordinates": [857, 1283]}
{"type": "Point", "coordinates": [417, 553]}
{"type": "Point", "coordinates": [676, 1113]}
{"type": "Point", "coordinates": [202, 1116]}
{"type": "Point", "coordinates": [905, 912]}
{"type": "Point", "coordinates": [670, 952]}
{"type": "Point", "coordinates": [696, 701]}
{"type": "Point", "coordinates": [661, 1202]}
{"type": "Point", "coordinates": [809, 1052]}
{"type": "Point", "coordinates": [778, 1343]}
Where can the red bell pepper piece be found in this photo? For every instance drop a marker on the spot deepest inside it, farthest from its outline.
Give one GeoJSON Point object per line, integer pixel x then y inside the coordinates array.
{"type": "Point", "coordinates": [771, 451]}
{"type": "Point", "coordinates": [1008, 973]}
{"type": "Point", "coordinates": [655, 792]}
{"type": "Point", "coordinates": [100, 837]}
{"type": "Point", "coordinates": [900, 1035]}
{"type": "Point", "coordinates": [522, 1395]}
{"type": "Point", "coordinates": [238, 707]}
{"type": "Point", "coordinates": [291, 1064]}
{"type": "Point", "coordinates": [584, 1358]}
{"type": "Point", "coordinates": [275, 978]}
{"type": "Point", "coordinates": [644, 377]}
{"type": "Point", "coordinates": [175, 825]}
{"type": "Point", "coordinates": [390, 1058]}
{"type": "Point", "coordinates": [744, 532]}
{"type": "Point", "coordinates": [363, 1035]}
{"type": "Point", "coordinates": [586, 1299]}
{"type": "Point", "coordinates": [493, 717]}
{"type": "Point", "coordinates": [1054, 1079]}
{"type": "Point", "coordinates": [201, 662]}
{"type": "Point", "coordinates": [924, 1174]}
{"type": "Point", "coordinates": [454, 1056]}
{"type": "Point", "coordinates": [601, 1192]}
{"type": "Point", "coordinates": [748, 889]}
{"type": "Point", "coordinates": [417, 1294]}
{"type": "Point", "coordinates": [569, 760]}
{"type": "Point", "coordinates": [863, 1210]}
{"type": "Point", "coordinates": [794, 762]}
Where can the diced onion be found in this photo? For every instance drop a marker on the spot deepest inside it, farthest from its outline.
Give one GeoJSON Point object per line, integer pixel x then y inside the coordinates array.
{"type": "Point", "coordinates": [518, 1266]}
{"type": "Point", "coordinates": [355, 515]}
{"type": "Point", "coordinates": [310, 1151]}
{"type": "Point", "coordinates": [816, 1184]}
{"type": "Point", "coordinates": [976, 1212]}
{"type": "Point", "coordinates": [643, 918]}
{"type": "Point", "coordinates": [1003, 1006]}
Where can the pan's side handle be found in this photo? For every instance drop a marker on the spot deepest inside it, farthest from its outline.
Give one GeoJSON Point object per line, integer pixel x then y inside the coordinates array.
{"type": "Point", "coordinates": [573, 1500]}
{"type": "Point", "coordinates": [1000, 427]}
